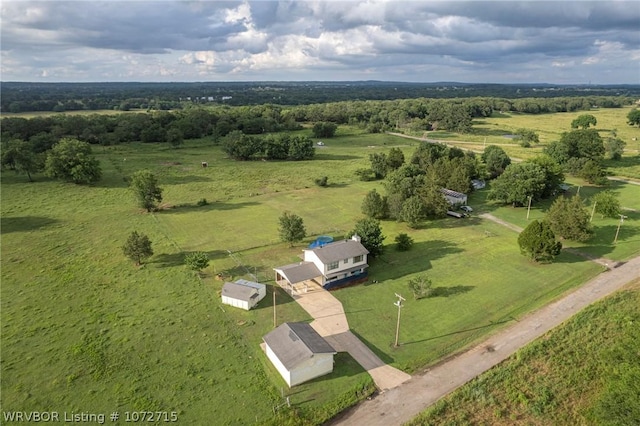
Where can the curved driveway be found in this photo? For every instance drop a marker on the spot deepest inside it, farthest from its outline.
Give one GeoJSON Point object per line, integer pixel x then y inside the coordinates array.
{"type": "Point", "coordinates": [331, 323]}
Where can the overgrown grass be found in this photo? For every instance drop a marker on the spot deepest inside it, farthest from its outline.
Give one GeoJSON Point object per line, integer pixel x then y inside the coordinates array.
{"type": "Point", "coordinates": [585, 372]}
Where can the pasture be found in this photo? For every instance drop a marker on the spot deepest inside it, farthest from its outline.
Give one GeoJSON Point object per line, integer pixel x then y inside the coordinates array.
{"type": "Point", "coordinates": [583, 372]}
{"type": "Point", "coordinates": [83, 329]}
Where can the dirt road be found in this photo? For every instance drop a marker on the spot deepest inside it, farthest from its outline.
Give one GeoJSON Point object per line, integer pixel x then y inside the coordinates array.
{"type": "Point", "coordinates": [401, 404]}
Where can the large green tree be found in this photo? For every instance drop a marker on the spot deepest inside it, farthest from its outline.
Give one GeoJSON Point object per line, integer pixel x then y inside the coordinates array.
{"type": "Point", "coordinates": [291, 228]}
{"type": "Point", "coordinates": [553, 175]}
{"type": "Point", "coordinates": [496, 160]}
{"type": "Point", "coordinates": [633, 118]}
{"type": "Point", "coordinates": [144, 185]}
{"type": "Point", "coordinates": [538, 242]}
{"type": "Point", "coordinates": [527, 137]}
{"type": "Point", "coordinates": [324, 130]}
{"type": "Point", "coordinates": [378, 162]}
{"type": "Point", "coordinates": [584, 121]}
{"type": "Point", "coordinates": [434, 203]}
{"type": "Point", "coordinates": [371, 236]}
{"type": "Point", "coordinates": [73, 161]}
{"type": "Point", "coordinates": [374, 205]}
{"type": "Point", "coordinates": [197, 261]}
{"type": "Point", "coordinates": [137, 247]}
{"type": "Point", "coordinates": [519, 182]}
{"type": "Point", "coordinates": [607, 204]}
{"type": "Point", "coordinates": [19, 156]}
{"type": "Point", "coordinates": [413, 211]}
{"type": "Point", "coordinates": [614, 148]}
{"type": "Point", "coordinates": [569, 219]}
{"type": "Point", "coordinates": [395, 159]}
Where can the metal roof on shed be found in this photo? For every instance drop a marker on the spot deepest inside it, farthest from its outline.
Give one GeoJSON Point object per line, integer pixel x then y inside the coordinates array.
{"type": "Point", "coordinates": [295, 342]}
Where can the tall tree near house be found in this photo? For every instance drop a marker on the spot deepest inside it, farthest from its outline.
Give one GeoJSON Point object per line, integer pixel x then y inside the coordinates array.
{"type": "Point", "coordinates": [292, 228]}
{"type": "Point", "coordinates": [496, 160]}
{"type": "Point", "coordinates": [538, 242]}
{"type": "Point", "coordinates": [413, 211]}
{"type": "Point", "coordinates": [144, 185]}
{"type": "Point", "coordinates": [607, 204]}
{"type": "Point", "coordinates": [137, 248]}
{"type": "Point", "coordinates": [371, 236]}
{"type": "Point", "coordinates": [569, 219]}
{"type": "Point", "coordinates": [518, 182]}
{"type": "Point", "coordinates": [374, 205]}
{"type": "Point", "coordinates": [553, 174]}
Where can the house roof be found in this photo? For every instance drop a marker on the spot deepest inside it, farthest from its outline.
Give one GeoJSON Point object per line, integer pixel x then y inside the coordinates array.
{"type": "Point", "coordinates": [452, 193]}
{"type": "Point", "coordinates": [339, 250]}
{"type": "Point", "coordinates": [239, 291]}
{"type": "Point", "coordinates": [295, 342]}
{"type": "Point", "coordinates": [298, 272]}
{"type": "Point", "coordinates": [251, 284]}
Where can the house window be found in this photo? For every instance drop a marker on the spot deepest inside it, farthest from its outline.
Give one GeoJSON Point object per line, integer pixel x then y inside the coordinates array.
{"type": "Point", "coordinates": [357, 259]}
{"type": "Point", "coordinates": [333, 265]}
{"type": "Point", "coordinates": [345, 261]}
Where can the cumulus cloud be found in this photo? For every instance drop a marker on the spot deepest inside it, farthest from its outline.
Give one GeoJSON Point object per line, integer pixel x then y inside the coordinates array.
{"type": "Point", "coordinates": [472, 41]}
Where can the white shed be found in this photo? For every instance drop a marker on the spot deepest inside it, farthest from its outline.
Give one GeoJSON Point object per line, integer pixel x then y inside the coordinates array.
{"type": "Point", "coordinates": [298, 352]}
{"type": "Point", "coordinates": [243, 294]}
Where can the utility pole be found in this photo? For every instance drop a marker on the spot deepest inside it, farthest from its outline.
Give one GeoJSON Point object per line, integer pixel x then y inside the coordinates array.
{"type": "Point", "coordinates": [622, 218]}
{"type": "Point", "coordinates": [529, 208]}
{"type": "Point", "coordinates": [398, 303]}
{"type": "Point", "coordinates": [274, 307]}
{"type": "Point", "coordinates": [593, 210]}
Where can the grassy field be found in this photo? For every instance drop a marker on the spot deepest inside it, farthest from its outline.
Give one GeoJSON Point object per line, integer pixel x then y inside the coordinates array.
{"type": "Point", "coordinates": [585, 372]}
{"type": "Point", "coordinates": [84, 330]}
{"type": "Point", "coordinates": [496, 130]}
{"type": "Point", "coordinates": [602, 242]}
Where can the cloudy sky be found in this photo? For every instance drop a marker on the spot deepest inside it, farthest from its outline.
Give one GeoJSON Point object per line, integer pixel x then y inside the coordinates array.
{"type": "Point", "coordinates": [422, 41]}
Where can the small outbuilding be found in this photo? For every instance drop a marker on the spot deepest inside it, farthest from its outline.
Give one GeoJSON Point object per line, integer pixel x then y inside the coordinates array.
{"type": "Point", "coordinates": [243, 294]}
{"type": "Point", "coordinates": [453, 197]}
{"type": "Point", "coordinates": [298, 352]}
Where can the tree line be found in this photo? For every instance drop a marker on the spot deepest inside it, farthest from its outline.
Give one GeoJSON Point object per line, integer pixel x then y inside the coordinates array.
{"type": "Point", "coordinates": [174, 127]}
{"type": "Point", "coordinates": [60, 97]}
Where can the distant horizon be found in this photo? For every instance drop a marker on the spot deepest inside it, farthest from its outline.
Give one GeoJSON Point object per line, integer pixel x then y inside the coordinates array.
{"type": "Point", "coordinates": [321, 81]}
{"type": "Point", "coordinates": [418, 41]}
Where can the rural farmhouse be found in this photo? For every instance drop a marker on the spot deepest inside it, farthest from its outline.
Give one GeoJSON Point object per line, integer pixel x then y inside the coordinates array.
{"type": "Point", "coordinates": [333, 265]}
{"type": "Point", "coordinates": [298, 352]}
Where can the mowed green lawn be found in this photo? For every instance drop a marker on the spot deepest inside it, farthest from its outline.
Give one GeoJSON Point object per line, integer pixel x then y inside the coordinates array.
{"type": "Point", "coordinates": [602, 242]}
{"type": "Point", "coordinates": [84, 330]}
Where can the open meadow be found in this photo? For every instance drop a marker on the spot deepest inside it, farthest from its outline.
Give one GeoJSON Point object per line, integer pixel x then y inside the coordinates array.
{"type": "Point", "coordinates": [583, 372]}
{"type": "Point", "coordinates": [84, 330]}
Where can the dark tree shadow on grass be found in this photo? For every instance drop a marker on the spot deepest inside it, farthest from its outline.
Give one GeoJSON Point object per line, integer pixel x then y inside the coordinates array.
{"type": "Point", "coordinates": [466, 330]}
{"type": "Point", "coordinates": [331, 157]}
{"type": "Point", "coordinates": [24, 223]}
{"type": "Point", "coordinates": [167, 260]}
{"type": "Point", "coordinates": [395, 264]}
{"type": "Point", "coordinates": [450, 291]}
{"type": "Point", "coordinates": [194, 208]}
